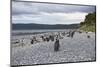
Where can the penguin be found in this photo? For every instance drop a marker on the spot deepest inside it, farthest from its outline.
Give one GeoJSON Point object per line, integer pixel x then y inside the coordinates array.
{"type": "Point", "coordinates": [72, 34]}
{"type": "Point", "coordinates": [56, 45]}
{"type": "Point", "coordinates": [88, 36]}
{"type": "Point", "coordinates": [32, 41]}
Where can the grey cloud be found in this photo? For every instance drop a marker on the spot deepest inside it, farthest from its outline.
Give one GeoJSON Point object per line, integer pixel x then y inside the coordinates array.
{"type": "Point", "coordinates": [23, 8]}
{"type": "Point", "coordinates": [36, 8]}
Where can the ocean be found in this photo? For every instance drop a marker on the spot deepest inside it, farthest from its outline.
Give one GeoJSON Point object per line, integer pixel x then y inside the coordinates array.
{"type": "Point", "coordinates": [27, 32]}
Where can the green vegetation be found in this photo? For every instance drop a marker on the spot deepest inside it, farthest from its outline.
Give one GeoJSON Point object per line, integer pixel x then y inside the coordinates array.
{"type": "Point", "coordinates": [89, 23]}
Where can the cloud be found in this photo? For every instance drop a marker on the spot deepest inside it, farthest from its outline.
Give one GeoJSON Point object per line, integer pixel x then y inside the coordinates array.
{"type": "Point", "coordinates": [51, 18]}
{"type": "Point", "coordinates": [36, 8]}
{"type": "Point", "coordinates": [22, 8]}
{"type": "Point", "coordinates": [43, 13]}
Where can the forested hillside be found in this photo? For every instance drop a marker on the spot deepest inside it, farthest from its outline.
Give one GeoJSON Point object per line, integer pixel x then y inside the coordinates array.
{"type": "Point", "coordinates": [89, 22]}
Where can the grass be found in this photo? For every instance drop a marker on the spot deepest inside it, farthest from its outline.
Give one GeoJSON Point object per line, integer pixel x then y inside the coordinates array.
{"type": "Point", "coordinates": [88, 28]}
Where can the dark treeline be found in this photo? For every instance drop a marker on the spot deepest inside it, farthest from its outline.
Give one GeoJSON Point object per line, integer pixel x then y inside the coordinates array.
{"type": "Point", "coordinates": [43, 26]}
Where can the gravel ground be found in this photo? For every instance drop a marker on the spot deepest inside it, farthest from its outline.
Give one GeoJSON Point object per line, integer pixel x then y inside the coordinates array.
{"type": "Point", "coordinates": [78, 48]}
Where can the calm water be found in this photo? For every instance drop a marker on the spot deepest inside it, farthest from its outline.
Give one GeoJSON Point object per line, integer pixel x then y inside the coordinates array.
{"type": "Point", "coordinates": [24, 32]}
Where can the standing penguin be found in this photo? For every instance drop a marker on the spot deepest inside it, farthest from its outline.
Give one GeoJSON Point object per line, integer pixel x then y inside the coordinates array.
{"type": "Point", "coordinates": [47, 39]}
{"type": "Point", "coordinates": [51, 38]}
{"type": "Point", "coordinates": [32, 41]}
{"type": "Point", "coordinates": [88, 36]}
{"type": "Point", "coordinates": [56, 45]}
{"type": "Point", "coordinates": [72, 34]}
{"type": "Point", "coordinates": [22, 42]}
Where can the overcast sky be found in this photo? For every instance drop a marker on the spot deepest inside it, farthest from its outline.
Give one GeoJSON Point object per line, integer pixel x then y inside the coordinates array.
{"type": "Point", "coordinates": [43, 13]}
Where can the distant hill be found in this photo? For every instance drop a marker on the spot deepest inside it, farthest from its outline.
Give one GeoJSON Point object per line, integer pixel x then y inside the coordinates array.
{"type": "Point", "coordinates": [43, 26]}
{"type": "Point", "coordinates": [89, 22]}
